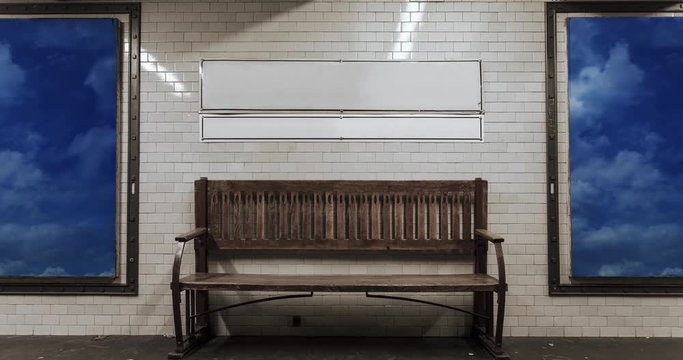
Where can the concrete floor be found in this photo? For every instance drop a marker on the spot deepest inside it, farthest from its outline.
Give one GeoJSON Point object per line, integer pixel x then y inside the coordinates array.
{"type": "Point", "coordinates": [252, 348]}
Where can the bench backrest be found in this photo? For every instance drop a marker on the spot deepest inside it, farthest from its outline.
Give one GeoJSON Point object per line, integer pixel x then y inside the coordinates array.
{"type": "Point", "coordinates": [341, 215]}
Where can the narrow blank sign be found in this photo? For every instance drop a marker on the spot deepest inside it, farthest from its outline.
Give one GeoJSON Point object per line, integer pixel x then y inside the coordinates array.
{"type": "Point", "coordinates": [330, 127]}
{"type": "Point", "coordinates": [335, 85]}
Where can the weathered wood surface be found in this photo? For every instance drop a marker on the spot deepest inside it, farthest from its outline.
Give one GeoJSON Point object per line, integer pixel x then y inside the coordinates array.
{"type": "Point", "coordinates": [490, 236]}
{"type": "Point", "coordinates": [191, 235]}
{"type": "Point", "coordinates": [425, 216]}
{"type": "Point", "coordinates": [368, 215]}
{"type": "Point", "coordinates": [358, 186]}
{"type": "Point", "coordinates": [425, 246]}
{"type": "Point", "coordinates": [341, 283]}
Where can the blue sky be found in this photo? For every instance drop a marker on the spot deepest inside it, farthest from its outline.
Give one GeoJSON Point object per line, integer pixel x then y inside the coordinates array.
{"type": "Point", "coordinates": [626, 153]}
{"type": "Point", "coordinates": [57, 147]}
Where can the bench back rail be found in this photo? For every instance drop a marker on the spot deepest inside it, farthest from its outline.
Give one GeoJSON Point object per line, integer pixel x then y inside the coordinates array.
{"type": "Point", "coordinates": [345, 215]}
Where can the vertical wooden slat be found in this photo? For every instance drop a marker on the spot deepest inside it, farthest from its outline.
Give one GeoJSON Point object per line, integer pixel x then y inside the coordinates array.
{"type": "Point", "coordinates": [329, 216]}
{"type": "Point", "coordinates": [467, 217]}
{"type": "Point", "coordinates": [375, 214]}
{"type": "Point", "coordinates": [201, 218]}
{"type": "Point", "coordinates": [226, 214]}
{"type": "Point", "coordinates": [306, 221]}
{"type": "Point", "coordinates": [260, 216]}
{"type": "Point", "coordinates": [237, 215]}
{"type": "Point", "coordinates": [482, 201]}
{"type": "Point", "coordinates": [271, 220]}
{"type": "Point", "coordinates": [215, 216]}
{"type": "Point", "coordinates": [421, 214]}
{"type": "Point", "coordinates": [410, 216]}
{"type": "Point", "coordinates": [386, 217]}
{"type": "Point", "coordinates": [318, 207]}
{"type": "Point", "coordinates": [364, 217]}
{"type": "Point", "coordinates": [295, 216]}
{"type": "Point", "coordinates": [342, 210]}
{"type": "Point", "coordinates": [455, 216]}
{"type": "Point", "coordinates": [283, 211]}
{"type": "Point", "coordinates": [443, 216]}
{"type": "Point", "coordinates": [249, 211]}
{"type": "Point", "coordinates": [399, 207]}
{"type": "Point", "coordinates": [433, 217]}
{"type": "Point", "coordinates": [353, 217]}
{"type": "Point", "coordinates": [200, 197]}
{"type": "Point", "coordinates": [341, 215]}
{"type": "Point", "coordinates": [480, 222]}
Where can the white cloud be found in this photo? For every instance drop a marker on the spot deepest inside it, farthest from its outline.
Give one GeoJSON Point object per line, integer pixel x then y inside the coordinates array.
{"type": "Point", "coordinates": [601, 86]}
{"type": "Point", "coordinates": [47, 247]}
{"type": "Point", "coordinates": [672, 271]}
{"type": "Point", "coordinates": [37, 236]}
{"type": "Point", "coordinates": [583, 190]}
{"type": "Point", "coordinates": [47, 250]}
{"type": "Point", "coordinates": [627, 167]}
{"type": "Point", "coordinates": [583, 31]}
{"type": "Point", "coordinates": [11, 76]}
{"type": "Point", "coordinates": [106, 273]}
{"type": "Point", "coordinates": [93, 147]}
{"type": "Point", "coordinates": [17, 170]}
{"type": "Point", "coordinates": [12, 267]}
{"type": "Point", "coordinates": [102, 79]}
{"type": "Point", "coordinates": [93, 138]}
{"type": "Point", "coordinates": [629, 234]}
{"type": "Point", "coordinates": [623, 268]}
{"type": "Point", "coordinates": [630, 179]}
{"type": "Point", "coordinates": [54, 271]}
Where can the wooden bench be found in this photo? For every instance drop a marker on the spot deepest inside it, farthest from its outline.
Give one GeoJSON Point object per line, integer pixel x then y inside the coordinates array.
{"type": "Point", "coordinates": [388, 216]}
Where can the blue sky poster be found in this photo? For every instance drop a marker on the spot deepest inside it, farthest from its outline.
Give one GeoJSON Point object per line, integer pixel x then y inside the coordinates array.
{"type": "Point", "coordinates": [58, 111]}
{"type": "Point", "coordinates": [626, 152]}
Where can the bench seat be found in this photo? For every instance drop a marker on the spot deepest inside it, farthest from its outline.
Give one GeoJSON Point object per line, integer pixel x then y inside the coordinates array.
{"type": "Point", "coordinates": [341, 283]}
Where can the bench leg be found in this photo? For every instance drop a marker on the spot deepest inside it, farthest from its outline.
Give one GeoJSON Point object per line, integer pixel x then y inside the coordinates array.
{"type": "Point", "coordinates": [483, 332]}
{"type": "Point", "coordinates": [177, 321]}
{"type": "Point", "coordinates": [196, 335]}
{"type": "Point", "coordinates": [202, 307]}
{"type": "Point", "coordinates": [500, 318]}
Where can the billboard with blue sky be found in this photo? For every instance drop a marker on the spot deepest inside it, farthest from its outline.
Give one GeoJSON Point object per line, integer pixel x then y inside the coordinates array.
{"type": "Point", "coordinates": [58, 140]}
{"type": "Point", "coordinates": [626, 148]}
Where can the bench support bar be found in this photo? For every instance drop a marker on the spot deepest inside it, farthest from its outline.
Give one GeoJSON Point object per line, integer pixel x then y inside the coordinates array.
{"type": "Point", "coordinates": [425, 302]}
{"type": "Point", "coordinates": [253, 302]}
{"type": "Point", "coordinates": [195, 335]}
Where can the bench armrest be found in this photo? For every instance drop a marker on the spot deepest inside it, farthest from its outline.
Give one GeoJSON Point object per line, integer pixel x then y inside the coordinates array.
{"type": "Point", "coordinates": [182, 239]}
{"type": "Point", "coordinates": [488, 235]}
{"type": "Point", "coordinates": [497, 241]}
{"type": "Point", "coordinates": [191, 235]}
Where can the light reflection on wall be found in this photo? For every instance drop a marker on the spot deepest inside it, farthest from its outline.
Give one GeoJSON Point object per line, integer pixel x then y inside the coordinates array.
{"type": "Point", "coordinates": [162, 73]}
{"type": "Point", "coordinates": [403, 44]}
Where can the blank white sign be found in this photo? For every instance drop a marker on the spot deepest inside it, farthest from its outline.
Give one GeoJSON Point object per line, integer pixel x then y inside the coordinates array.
{"type": "Point", "coordinates": [330, 127]}
{"type": "Point", "coordinates": [453, 86]}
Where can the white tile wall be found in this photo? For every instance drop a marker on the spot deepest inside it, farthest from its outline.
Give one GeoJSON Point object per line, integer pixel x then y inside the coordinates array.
{"type": "Point", "coordinates": [507, 35]}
